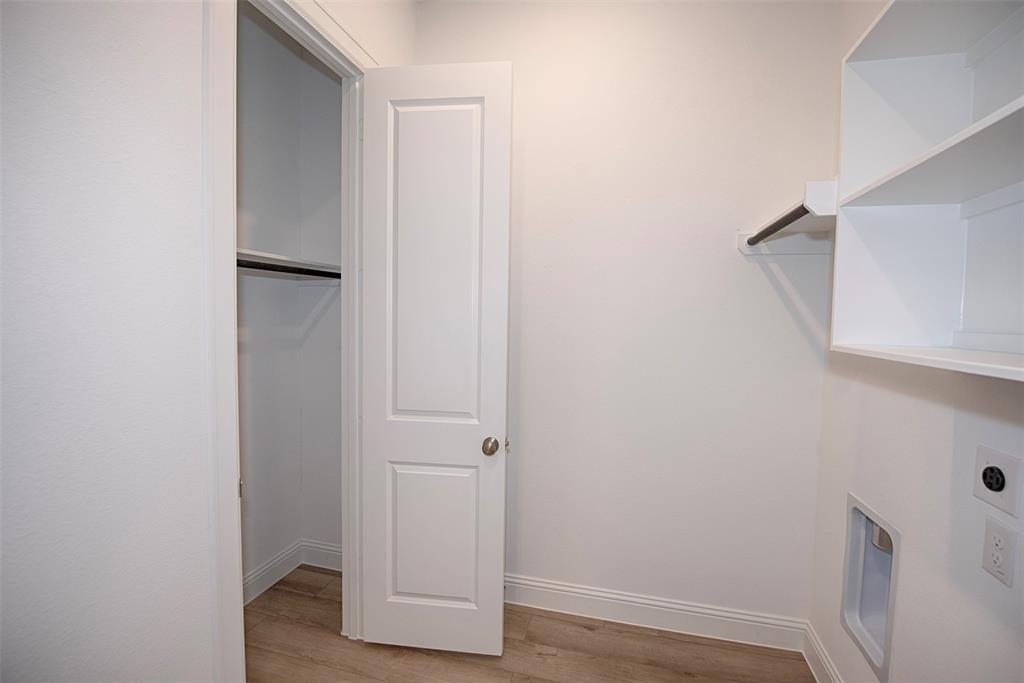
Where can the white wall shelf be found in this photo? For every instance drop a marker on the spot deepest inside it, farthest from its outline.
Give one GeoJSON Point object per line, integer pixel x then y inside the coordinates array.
{"type": "Point", "coordinates": [984, 157]}
{"type": "Point", "coordinates": [262, 257]}
{"type": "Point", "coordinates": [929, 242]}
{"type": "Point", "coordinates": [989, 363]}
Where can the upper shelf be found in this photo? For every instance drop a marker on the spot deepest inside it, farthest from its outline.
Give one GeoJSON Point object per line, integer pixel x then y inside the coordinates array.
{"type": "Point", "coordinates": [917, 29]}
{"type": "Point", "coordinates": [261, 260]}
{"type": "Point", "coordinates": [983, 157]}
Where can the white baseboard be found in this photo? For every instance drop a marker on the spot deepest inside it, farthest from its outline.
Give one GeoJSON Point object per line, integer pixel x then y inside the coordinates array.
{"type": "Point", "coordinates": [645, 610]}
{"type": "Point", "coordinates": [821, 664]}
{"type": "Point", "coordinates": [320, 554]}
{"type": "Point", "coordinates": [271, 571]}
{"type": "Point", "coordinates": [302, 551]}
{"type": "Point", "coordinates": [755, 628]}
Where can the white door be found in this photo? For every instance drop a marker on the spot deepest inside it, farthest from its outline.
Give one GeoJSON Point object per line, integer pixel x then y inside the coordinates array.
{"type": "Point", "coordinates": [435, 317]}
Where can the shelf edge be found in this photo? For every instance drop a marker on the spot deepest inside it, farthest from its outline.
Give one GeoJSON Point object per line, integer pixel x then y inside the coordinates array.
{"type": "Point", "coordinates": [278, 259]}
{"type": "Point", "coordinates": [967, 133]}
{"type": "Point", "coordinates": [905, 354]}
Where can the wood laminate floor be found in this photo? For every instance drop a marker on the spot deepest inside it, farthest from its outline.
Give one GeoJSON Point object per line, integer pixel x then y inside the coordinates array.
{"type": "Point", "coordinates": [292, 634]}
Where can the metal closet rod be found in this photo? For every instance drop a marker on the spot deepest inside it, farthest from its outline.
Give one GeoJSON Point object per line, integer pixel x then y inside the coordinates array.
{"type": "Point", "coordinates": [291, 270]}
{"type": "Point", "coordinates": [778, 224]}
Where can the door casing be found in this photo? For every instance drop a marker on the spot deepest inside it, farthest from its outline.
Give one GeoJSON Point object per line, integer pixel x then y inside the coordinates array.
{"type": "Point", "coordinates": [321, 34]}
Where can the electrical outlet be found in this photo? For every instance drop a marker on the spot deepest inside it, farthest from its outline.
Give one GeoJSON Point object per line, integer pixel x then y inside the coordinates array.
{"type": "Point", "coordinates": [1000, 551]}
{"type": "Point", "coordinates": [997, 479]}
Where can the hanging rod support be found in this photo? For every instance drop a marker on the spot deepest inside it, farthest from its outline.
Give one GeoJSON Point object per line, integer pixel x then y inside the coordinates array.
{"type": "Point", "coordinates": [778, 224]}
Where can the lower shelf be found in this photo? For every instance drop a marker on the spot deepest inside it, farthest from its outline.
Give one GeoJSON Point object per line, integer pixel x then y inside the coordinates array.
{"type": "Point", "coordinates": [988, 363]}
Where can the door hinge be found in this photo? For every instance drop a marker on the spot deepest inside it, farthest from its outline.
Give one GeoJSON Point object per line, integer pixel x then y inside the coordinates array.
{"type": "Point", "coordinates": [240, 484]}
{"type": "Point", "coordinates": [507, 445]}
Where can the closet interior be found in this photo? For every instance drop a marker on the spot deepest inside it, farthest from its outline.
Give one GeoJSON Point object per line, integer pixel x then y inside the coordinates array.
{"type": "Point", "coordinates": [289, 241]}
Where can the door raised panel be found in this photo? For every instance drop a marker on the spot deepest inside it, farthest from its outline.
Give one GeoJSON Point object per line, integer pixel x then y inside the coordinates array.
{"type": "Point", "coordinates": [434, 230]}
{"type": "Point", "coordinates": [434, 521]}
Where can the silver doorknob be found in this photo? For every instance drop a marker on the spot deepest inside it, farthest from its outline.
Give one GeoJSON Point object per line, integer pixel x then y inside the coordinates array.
{"type": "Point", "coordinates": [490, 446]}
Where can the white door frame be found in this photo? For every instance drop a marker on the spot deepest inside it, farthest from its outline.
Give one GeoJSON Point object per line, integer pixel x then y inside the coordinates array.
{"type": "Point", "coordinates": [323, 36]}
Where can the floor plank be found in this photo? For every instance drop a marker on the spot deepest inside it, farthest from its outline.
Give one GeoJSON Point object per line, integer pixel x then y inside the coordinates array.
{"type": "Point", "coordinates": [570, 666]}
{"type": "Point", "coordinates": [683, 658]}
{"type": "Point", "coordinates": [331, 591]}
{"type": "Point", "coordinates": [293, 633]}
{"type": "Point", "coordinates": [323, 570]}
{"type": "Point", "coordinates": [438, 667]}
{"type": "Point", "coordinates": [305, 580]}
{"type": "Point", "coordinates": [252, 618]}
{"type": "Point", "coordinates": [516, 624]}
{"type": "Point", "coordinates": [324, 647]}
{"type": "Point", "coordinates": [291, 606]}
{"type": "Point", "coordinates": [264, 666]}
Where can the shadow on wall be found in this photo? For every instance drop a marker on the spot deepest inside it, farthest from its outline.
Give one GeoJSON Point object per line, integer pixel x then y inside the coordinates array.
{"type": "Point", "coordinates": [805, 294]}
{"type": "Point", "coordinates": [304, 305]}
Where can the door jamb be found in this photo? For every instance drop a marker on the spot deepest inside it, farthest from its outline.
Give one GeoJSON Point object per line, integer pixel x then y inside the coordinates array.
{"type": "Point", "coordinates": [322, 35]}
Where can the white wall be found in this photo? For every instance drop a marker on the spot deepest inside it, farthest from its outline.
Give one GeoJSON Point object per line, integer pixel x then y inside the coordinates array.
{"type": "Point", "coordinates": [903, 439]}
{"type": "Point", "coordinates": [665, 390]}
{"type": "Point", "coordinates": [385, 29]}
{"type": "Point", "coordinates": [270, 417]}
{"type": "Point", "coordinates": [289, 402]}
{"type": "Point", "coordinates": [106, 445]}
{"type": "Point", "coordinates": [106, 453]}
{"type": "Point", "coordinates": [319, 333]}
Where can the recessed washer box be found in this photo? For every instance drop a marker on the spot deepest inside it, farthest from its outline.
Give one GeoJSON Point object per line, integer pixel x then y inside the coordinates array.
{"type": "Point", "coordinates": [869, 584]}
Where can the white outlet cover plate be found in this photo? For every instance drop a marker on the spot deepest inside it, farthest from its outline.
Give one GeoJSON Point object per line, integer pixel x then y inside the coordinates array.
{"type": "Point", "coordinates": [1000, 551]}
{"type": "Point", "coordinates": [1008, 499]}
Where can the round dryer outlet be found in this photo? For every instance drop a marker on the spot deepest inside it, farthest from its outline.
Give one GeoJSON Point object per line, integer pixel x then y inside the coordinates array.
{"type": "Point", "coordinates": [993, 478]}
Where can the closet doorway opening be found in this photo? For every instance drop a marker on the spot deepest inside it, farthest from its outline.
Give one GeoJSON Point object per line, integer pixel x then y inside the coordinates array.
{"type": "Point", "coordinates": [296, 253]}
